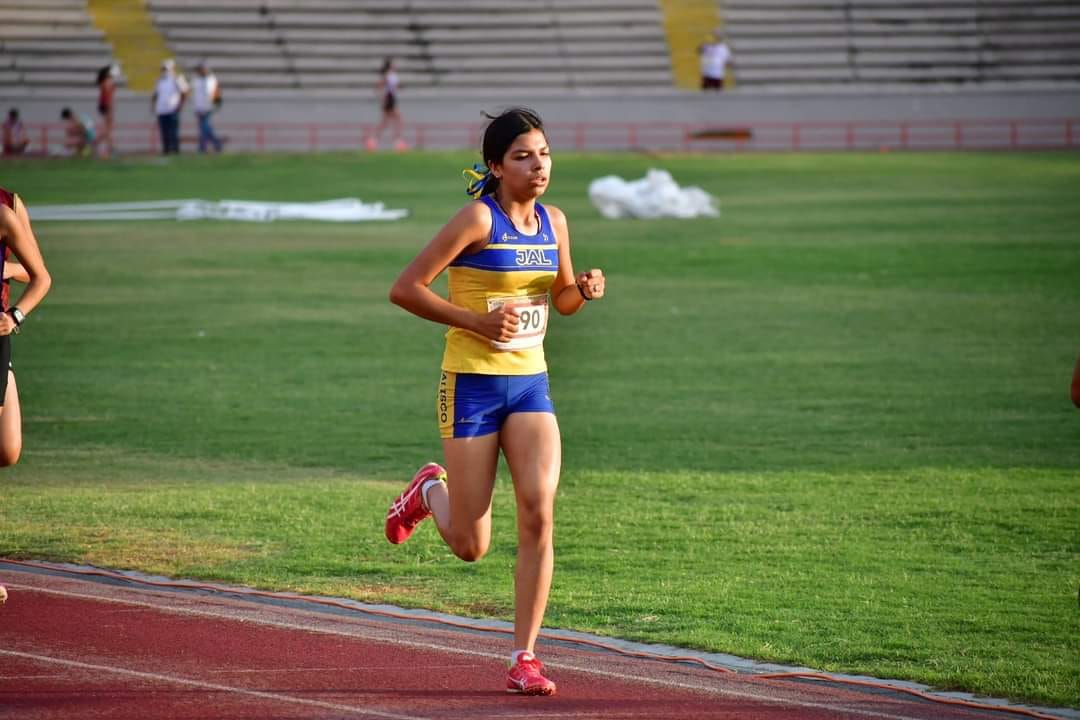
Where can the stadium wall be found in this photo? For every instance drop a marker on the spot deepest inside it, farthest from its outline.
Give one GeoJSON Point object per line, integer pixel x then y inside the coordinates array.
{"type": "Point", "coordinates": [675, 106]}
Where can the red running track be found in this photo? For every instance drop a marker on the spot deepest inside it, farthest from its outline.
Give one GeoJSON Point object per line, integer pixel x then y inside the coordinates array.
{"type": "Point", "coordinates": [73, 647]}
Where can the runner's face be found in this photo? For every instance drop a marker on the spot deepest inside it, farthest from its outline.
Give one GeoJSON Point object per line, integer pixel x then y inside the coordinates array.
{"type": "Point", "coordinates": [526, 166]}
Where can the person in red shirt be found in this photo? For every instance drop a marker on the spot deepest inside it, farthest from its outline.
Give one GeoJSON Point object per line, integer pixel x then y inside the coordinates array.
{"type": "Point", "coordinates": [106, 82]}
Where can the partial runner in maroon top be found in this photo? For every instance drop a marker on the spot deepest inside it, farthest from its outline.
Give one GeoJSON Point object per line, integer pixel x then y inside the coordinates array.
{"type": "Point", "coordinates": [6, 198]}
{"type": "Point", "coordinates": [17, 242]}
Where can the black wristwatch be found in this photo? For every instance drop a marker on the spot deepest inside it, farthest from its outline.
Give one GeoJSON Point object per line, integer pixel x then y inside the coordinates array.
{"type": "Point", "coordinates": [17, 316]}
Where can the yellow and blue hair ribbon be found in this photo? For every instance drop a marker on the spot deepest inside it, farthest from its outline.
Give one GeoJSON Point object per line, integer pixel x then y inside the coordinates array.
{"type": "Point", "coordinates": [477, 178]}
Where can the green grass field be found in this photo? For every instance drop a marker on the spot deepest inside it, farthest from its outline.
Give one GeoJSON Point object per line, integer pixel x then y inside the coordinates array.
{"type": "Point", "coordinates": [830, 428]}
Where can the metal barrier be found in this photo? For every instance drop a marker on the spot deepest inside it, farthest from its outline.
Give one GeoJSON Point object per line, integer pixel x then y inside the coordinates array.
{"type": "Point", "coordinates": [1018, 134]}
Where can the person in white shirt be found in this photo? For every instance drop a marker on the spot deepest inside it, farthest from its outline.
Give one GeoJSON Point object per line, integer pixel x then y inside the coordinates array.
{"type": "Point", "coordinates": [169, 95]}
{"type": "Point", "coordinates": [206, 96]}
{"type": "Point", "coordinates": [715, 56]}
{"type": "Point", "coordinates": [391, 116]}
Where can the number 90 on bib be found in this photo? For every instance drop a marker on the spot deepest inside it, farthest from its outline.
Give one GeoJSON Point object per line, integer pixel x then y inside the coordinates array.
{"type": "Point", "coordinates": [532, 312]}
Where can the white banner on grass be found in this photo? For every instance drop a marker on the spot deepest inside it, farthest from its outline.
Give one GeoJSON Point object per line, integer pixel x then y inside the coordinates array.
{"type": "Point", "coordinates": [340, 210]}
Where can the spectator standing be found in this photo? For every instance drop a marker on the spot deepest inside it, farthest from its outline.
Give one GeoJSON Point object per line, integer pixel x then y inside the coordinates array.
{"type": "Point", "coordinates": [169, 96]}
{"type": "Point", "coordinates": [715, 56]}
{"type": "Point", "coordinates": [391, 116]}
{"type": "Point", "coordinates": [15, 138]}
{"type": "Point", "coordinates": [106, 83]}
{"type": "Point", "coordinates": [78, 132]}
{"type": "Point", "coordinates": [206, 96]}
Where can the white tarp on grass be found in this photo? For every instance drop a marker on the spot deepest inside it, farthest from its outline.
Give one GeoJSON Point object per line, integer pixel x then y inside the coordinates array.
{"type": "Point", "coordinates": [656, 195]}
{"type": "Point", "coordinates": [340, 210]}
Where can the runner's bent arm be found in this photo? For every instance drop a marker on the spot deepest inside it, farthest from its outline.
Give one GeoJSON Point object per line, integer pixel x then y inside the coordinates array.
{"type": "Point", "coordinates": [15, 227]}
{"type": "Point", "coordinates": [468, 230]}
{"type": "Point", "coordinates": [565, 293]}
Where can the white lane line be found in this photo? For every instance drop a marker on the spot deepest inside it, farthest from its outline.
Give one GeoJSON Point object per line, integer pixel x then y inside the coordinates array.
{"type": "Point", "coordinates": [175, 680]}
{"type": "Point", "coordinates": [624, 677]}
{"type": "Point", "coordinates": [340, 669]}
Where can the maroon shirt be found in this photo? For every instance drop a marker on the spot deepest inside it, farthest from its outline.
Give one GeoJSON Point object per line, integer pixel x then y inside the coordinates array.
{"type": "Point", "coordinates": [6, 198]}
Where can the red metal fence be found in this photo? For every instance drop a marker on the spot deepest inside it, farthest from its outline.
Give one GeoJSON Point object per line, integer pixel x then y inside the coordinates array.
{"type": "Point", "coordinates": [1019, 134]}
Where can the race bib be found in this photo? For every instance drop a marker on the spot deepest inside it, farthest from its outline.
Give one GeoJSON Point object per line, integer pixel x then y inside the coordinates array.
{"type": "Point", "coordinates": [532, 314]}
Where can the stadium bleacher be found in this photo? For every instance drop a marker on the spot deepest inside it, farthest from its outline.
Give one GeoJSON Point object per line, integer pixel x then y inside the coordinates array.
{"type": "Point", "coordinates": [786, 44]}
{"type": "Point", "coordinates": [50, 47]}
{"type": "Point", "coordinates": [338, 45]}
{"type": "Point", "coordinates": [335, 47]}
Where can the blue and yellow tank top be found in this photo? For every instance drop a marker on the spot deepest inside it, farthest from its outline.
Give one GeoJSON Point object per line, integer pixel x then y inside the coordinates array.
{"type": "Point", "coordinates": [513, 269]}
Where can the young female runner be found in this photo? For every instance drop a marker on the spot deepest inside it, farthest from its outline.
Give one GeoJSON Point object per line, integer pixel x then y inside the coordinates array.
{"type": "Point", "coordinates": [508, 259]}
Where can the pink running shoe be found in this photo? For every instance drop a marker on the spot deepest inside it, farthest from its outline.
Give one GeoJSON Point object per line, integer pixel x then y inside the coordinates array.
{"type": "Point", "coordinates": [408, 510]}
{"type": "Point", "coordinates": [527, 677]}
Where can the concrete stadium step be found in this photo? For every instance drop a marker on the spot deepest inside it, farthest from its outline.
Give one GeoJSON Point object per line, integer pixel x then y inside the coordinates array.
{"type": "Point", "coordinates": [744, 46]}
{"type": "Point", "coordinates": [902, 13]}
{"type": "Point", "coordinates": [1031, 11]}
{"type": "Point", "coordinates": [223, 35]}
{"type": "Point", "coordinates": [813, 59]}
{"type": "Point", "coordinates": [584, 34]}
{"type": "Point", "coordinates": [1033, 40]}
{"type": "Point", "coordinates": [1034, 56]}
{"type": "Point", "coordinates": [407, 69]}
{"type": "Point", "coordinates": [915, 42]}
{"type": "Point", "coordinates": [87, 64]}
{"type": "Point", "coordinates": [570, 49]}
{"type": "Point", "coordinates": [955, 56]}
{"type": "Point", "coordinates": [65, 78]}
{"type": "Point", "coordinates": [221, 19]}
{"type": "Point", "coordinates": [224, 66]}
{"type": "Point", "coordinates": [1041, 70]}
{"type": "Point", "coordinates": [54, 47]}
{"type": "Point", "coordinates": [534, 63]}
{"type": "Point", "coordinates": [362, 83]}
{"type": "Point", "coordinates": [356, 35]}
{"type": "Point", "coordinates": [737, 31]}
{"type": "Point", "coordinates": [46, 4]}
{"type": "Point", "coordinates": [784, 15]}
{"type": "Point", "coordinates": [603, 19]}
{"type": "Point", "coordinates": [42, 16]}
{"type": "Point", "coordinates": [918, 73]}
{"type": "Point", "coordinates": [793, 73]}
{"type": "Point", "coordinates": [991, 26]}
{"type": "Point", "coordinates": [28, 31]}
{"type": "Point", "coordinates": [519, 5]}
{"type": "Point", "coordinates": [879, 27]}
{"type": "Point", "coordinates": [373, 6]}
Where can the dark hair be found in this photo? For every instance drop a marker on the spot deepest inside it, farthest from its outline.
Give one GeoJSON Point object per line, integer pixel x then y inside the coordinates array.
{"type": "Point", "coordinates": [500, 134]}
{"type": "Point", "coordinates": [13, 114]}
{"type": "Point", "coordinates": [65, 113]}
{"type": "Point", "coordinates": [386, 65]}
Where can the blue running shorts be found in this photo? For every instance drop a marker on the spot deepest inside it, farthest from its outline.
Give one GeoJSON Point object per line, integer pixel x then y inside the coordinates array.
{"type": "Point", "coordinates": [468, 405]}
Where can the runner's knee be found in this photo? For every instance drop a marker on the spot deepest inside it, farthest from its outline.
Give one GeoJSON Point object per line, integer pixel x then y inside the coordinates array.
{"type": "Point", "coordinates": [470, 549]}
{"type": "Point", "coordinates": [9, 454]}
{"type": "Point", "coordinates": [536, 519]}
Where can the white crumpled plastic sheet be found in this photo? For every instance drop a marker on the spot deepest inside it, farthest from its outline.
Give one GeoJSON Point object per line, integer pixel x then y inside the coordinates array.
{"type": "Point", "coordinates": [656, 195]}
